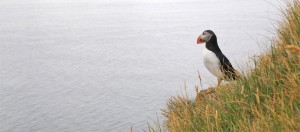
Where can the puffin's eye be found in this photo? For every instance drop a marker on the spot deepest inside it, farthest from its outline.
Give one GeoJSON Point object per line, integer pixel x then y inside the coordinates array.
{"type": "Point", "coordinates": [203, 34]}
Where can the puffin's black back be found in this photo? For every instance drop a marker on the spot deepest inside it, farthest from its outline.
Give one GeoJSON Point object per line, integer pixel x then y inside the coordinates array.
{"type": "Point", "coordinates": [226, 66]}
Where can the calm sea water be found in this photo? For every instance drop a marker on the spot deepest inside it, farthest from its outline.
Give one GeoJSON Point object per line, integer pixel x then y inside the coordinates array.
{"type": "Point", "coordinates": [108, 65]}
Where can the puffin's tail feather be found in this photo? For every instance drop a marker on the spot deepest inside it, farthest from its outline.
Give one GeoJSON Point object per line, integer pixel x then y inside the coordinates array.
{"type": "Point", "coordinates": [233, 74]}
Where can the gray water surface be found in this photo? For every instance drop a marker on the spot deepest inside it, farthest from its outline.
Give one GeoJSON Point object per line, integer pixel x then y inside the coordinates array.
{"type": "Point", "coordinates": [88, 65]}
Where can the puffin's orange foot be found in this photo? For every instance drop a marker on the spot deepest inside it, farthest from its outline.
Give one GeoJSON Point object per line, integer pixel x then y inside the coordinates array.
{"type": "Point", "coordinates": [219, 83]}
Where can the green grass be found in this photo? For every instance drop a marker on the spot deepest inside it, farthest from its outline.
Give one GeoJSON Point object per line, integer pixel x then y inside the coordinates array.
{"type": "Point", "coordinates": [265, 99]}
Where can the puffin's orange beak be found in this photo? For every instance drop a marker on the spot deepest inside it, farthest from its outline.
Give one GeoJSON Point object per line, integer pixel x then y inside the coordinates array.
{"type": "Point", "coordinates": [200, 40]}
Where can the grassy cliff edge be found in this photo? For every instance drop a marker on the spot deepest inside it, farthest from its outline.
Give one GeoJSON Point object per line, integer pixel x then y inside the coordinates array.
{"type": "Point", "coordinates": [266, 99]}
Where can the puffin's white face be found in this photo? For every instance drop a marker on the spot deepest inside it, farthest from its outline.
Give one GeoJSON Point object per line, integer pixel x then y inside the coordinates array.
{"type": "Point", "coordinates": [204, 37]}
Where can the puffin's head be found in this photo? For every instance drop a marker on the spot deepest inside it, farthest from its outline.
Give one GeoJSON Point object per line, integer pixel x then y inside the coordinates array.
{"type": "Point", "coordinates": [205, 36]}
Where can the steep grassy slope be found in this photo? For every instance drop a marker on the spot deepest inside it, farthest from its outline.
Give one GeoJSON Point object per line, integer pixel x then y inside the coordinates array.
{"type": "Point", "coordinates": [266, 99]}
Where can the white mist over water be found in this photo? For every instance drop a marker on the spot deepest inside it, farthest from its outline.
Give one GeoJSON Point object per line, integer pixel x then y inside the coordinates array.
{"type": "Point", "coordinates": [108, 65]}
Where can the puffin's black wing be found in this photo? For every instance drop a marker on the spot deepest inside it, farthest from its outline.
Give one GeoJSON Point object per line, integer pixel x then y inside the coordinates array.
{"type": "Point", "coordinates": [226, 67]}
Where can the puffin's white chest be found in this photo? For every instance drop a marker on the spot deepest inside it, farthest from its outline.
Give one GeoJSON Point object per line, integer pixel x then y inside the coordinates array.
{"type": "Point", "coordinates": [212, 63]}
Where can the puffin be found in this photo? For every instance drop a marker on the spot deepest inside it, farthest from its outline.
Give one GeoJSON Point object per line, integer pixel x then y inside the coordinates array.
{"type": "Point", "coordinates": [213, 58]}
